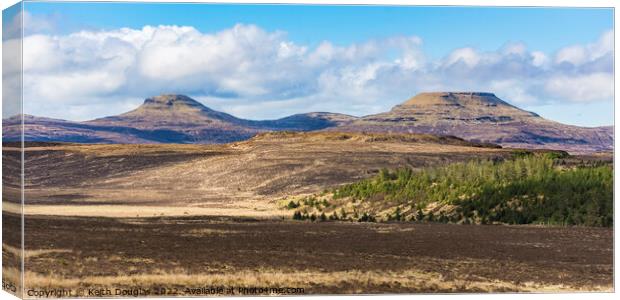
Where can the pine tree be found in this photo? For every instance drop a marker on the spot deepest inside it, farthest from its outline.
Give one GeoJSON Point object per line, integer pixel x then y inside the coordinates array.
{"type": "Point", "coordinates": [292, 205]}
{"type": "Point", "coordinates": [420, 215]}
{"type": "Point", "coordinates": [397, 216]}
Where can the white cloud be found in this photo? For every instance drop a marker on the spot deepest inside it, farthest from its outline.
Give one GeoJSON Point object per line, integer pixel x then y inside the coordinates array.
{"type": "Point", "coordinates": [539, 59]}
{"type": "Point", "coordinates": [575, 55]}
{"type": "Point", "coordinates": [582, 88]}
{"type": "Point", "coordinates": [259, 74]}
{"type": "Point", "coordinates": [45, 53]}
{"type": "Point", "coordinates": [468, 56]}
{"type": "Point", "coordinates": [578, 55]}
{"type": "Point", "coordinates": [11, 61]}
{"type": "Point", "coordinates": [513, 90]}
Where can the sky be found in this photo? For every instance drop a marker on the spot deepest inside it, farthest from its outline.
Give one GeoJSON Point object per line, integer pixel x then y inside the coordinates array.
{"type": "Point", "coordinates": [88, 60]}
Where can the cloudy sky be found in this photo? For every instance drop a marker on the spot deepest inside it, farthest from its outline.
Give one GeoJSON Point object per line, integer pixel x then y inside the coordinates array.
{"type": "Point", "coordinates": [83, 61]}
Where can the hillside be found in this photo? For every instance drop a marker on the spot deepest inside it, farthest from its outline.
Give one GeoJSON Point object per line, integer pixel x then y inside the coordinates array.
{"type": "Point", "coordinates": [235, 176]}
{"type": "Point", "coordinates": [539, 188]}
{"type": "Point", "coordinates": [482, 117]}
{"type": "Point", "coordinates": [56, 130]}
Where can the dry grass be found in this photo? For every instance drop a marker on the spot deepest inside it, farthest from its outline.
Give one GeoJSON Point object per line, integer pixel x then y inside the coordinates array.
{"type": "Point", "coordinates": [346, 282]}
{"type": "Point", "coordinates": [131, 211]}
{"type": "Point", "coordinates": [103, 150]}
{"type": "Point", "coordinates": [13, 276]}
{"type": "Point", "coordinates": [391, 229]}
{"type": "Point", "coordinates": [237, 179]}
{"type": "Point", "coordinates": [208, 231]}
{"type": "Point", "coordinates": [31, 253]}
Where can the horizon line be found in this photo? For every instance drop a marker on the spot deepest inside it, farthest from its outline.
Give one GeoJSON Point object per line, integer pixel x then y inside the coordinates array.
{"type": "Point", "coordinates": [303, 113]}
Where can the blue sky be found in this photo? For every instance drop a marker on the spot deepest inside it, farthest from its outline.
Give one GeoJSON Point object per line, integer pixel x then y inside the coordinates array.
{"type": "Point", "coordinates": [442, 28]}
{"type": "Point", "coordinates": [288, 58]}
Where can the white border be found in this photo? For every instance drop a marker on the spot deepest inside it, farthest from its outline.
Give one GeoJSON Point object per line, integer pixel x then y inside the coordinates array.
{"type": "Point", "coordinates": [504, 3]}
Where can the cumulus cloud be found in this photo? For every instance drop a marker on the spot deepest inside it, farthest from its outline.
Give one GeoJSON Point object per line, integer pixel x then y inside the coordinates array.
{"type": "Point", "coordinates": [467, 56]}
{"type": "Point", "coordinates": [259, 74]}
{"type": "Point", "coordinates": [578, 55]}
{"type": "Point", "coordinates": [577, 73]}
{"type": "Point", "coordinates": [582, 88]}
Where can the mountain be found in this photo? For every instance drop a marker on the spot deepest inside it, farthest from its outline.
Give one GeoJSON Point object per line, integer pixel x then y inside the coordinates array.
{"type": "Point", "coordinates": [309, 121]}
{"type": "Point", "coordinates": [164, 119]}
{"type": "Point", "coordinates": [482, 117]}
{"type": "Point", "coordinates": [477, 117]}
{"type": "Point", "coordinates": [56, 130]}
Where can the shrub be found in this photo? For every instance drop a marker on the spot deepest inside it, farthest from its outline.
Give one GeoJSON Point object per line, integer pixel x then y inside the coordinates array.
{"type": "Point", "coordinates": [312, 217]}
{"type": "Point", "coordinates": [292, 205]}
{"type": "Point", "coordinates": [367, 218]}
{"type": "Point", "coordinates": [521, 153]}
{"type": "Point", "coordinates": [419, 215]}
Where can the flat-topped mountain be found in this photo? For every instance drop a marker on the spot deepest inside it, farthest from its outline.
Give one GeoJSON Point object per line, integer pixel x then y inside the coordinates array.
{"type": "Point", "coordinates": [448, 108]}
{"type": "Point", "coordinates": [482, 117]}
{"type": "Point", "coordinates": [474, 116]}
{"type": "Point", "coordinates": [455, 99]}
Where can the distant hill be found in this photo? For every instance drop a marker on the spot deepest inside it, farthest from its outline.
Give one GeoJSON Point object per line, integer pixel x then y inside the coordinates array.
{"type": "Point", "coordinates": [477, 117]}
{"type": "Point", "coordinates": [164, 119]}
{"type": "Point", "coordinates": [482, 117]}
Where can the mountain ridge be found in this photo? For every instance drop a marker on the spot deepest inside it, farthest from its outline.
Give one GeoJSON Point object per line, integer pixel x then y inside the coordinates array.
{"type": "Point", "coordinates": [167, 118]}
{"type": "Point", "coordinates": [475, 116]}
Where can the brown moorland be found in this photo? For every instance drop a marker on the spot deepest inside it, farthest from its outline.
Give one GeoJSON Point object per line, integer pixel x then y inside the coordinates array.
{"type": "Point", "coordinates": [177, 216]}
{"type": "Point", "coordinates": [244, 176]}
{"type": "Point", "coordinates": [328, 257]}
